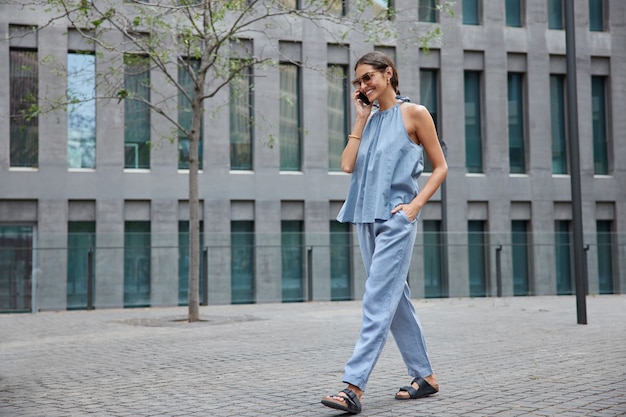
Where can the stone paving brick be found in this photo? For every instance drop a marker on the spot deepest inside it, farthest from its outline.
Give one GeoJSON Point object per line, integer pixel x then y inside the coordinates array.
{"type": "Point", "coordinates": [522, 356]}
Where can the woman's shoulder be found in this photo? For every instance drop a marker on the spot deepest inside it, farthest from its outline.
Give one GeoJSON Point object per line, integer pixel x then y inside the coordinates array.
{"type": "Point", "coordinates": [414, 110]}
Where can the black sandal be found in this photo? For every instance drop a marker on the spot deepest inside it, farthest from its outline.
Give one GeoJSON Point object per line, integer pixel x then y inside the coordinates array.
{"type": "Point", "coordinates": [351, 403]}
{"type": "Point", "coordinates": [424, 390]}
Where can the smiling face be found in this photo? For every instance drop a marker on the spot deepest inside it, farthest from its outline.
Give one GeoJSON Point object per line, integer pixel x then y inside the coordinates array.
{"type": "Point", "coordinates": [370, 81]}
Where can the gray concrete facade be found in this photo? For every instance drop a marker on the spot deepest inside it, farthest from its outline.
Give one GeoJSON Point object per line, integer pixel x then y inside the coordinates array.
{"type": "Point", "coordinates": [50, 196]}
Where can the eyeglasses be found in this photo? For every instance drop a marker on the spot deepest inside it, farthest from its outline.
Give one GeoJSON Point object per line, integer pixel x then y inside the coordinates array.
{"type": "Point", "coordinates": [365, 78]}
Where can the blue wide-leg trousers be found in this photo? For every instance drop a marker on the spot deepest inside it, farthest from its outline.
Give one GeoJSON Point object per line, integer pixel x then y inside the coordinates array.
{"type": "Point", "coordinates": [386, 248]}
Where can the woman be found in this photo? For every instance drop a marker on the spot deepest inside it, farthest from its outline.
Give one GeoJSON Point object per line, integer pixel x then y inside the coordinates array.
{"type": "Point", "coordinates": [384, 153]}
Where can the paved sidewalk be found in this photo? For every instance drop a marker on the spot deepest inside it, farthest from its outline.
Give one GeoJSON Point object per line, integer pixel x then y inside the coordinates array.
{"type": "Point", "coordinates": [493, 357]}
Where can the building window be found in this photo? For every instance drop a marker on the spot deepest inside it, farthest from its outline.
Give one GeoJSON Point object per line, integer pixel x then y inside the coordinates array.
{"type": "Point", "coordinates": [477, 254]}
{"type": "Point", "coordinates": [519, 253]}
{"type": "Point", "coordinates": [557, 121]}
{"type": "Point", "coordinates": [81, 112]}
{"type": "Point", "coordinates": [384, 9]}
{"type": "Point", "coordinates": [429, 88]}
{"type": "Point", "coordinates": [136, 112]}
{"type": "Point", "coordinates": [427, 11]}
{"type": "Point", "coordinates": [16, 268]}
{"type": "Point", "coordinates": [337, 7]}
{"type": "Point", "coordinates": [241, 126]}
{"type": "Point", "coordinates": [517, 140]}
{"type": "Point", "coordinates": [604, 230]}
{"type": "Point", "coordinates": [289, 4]}
{"type": "Point", "coordinates": [187, 84]}
{"type": "Point", "coordinates": [471, 12]}
{"type": "Point", "coordinates": [599, 125]}
{"type": "Point", "coordinates": [242, 261]}
{"type": "Point", "coordinates": [81, 243]}
{"type": "Point", "coordinates": [337, 114]}
{"type": "Point", "coordinates": [292, 260]}
{"type": "Point", "coordinates": [562, 256]}
{"type": "Point", "coordinates": [596, 15]}
{"type": "Point", "coordinates": [555, 14]}
{"type": "Point", "coordinates": [23, 91]}
{"type": "Point", "coordinates": [137, 263]}
{"type": "Point", "coordinates": [290, 118]}
{"type": "Point", "coordinates": [513, 10]}
{"type": "Point", "coordinates": [433, 259]}
{"type": "Point", "coordinates": [473, 128]}
{"type": "Point", "coordinates": [183, 264]}
{"type": "Point", "coordinates": [340, 261]}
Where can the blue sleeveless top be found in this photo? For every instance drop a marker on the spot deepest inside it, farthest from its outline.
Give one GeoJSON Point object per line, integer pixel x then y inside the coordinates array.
{"type": "Point", "coordinates": [387, 166]}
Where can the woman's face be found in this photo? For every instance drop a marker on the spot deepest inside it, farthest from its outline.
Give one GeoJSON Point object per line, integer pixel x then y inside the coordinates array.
{"type": "Point", "coordinates": [369, 80]}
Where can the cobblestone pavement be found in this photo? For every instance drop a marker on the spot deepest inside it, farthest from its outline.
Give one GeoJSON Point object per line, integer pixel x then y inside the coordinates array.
{"type": "Point", "coordinates": [523, 356]}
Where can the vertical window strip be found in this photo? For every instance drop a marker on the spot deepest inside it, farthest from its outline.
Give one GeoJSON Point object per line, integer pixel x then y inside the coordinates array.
{"type": "Point", "coordinates": [290, 123]}
{"type": "Point", "coordinates": [596, 15]}
{"type": "Point", "coordinates": [137, 269]}
{"type": "Point", "coordinates": [183, 263]}
{"type": "Point", "coordinates": [599, 125]}
{"type": "Point", "coordinates": [471, 12]}
{"type": "Point", "coordinates": [241, 116]}
{"type": "Point", "coordinates": [429, 98]}
{"type": "Point", "coordinates": [562, 256]}
{"type": "Point", "coordinates": [81, 111]}
{"type": "Point", "coordinates": [292, 260]}
{"type": "Point", "coordinates": [473, 123]}
{"type": "Point", "coordinates": [340, 261]}
{"type": "Point", "coordinates": [427, 11]}
{"type": "Point", "coordinates": [81, 239]}
{"type": "Point", "coordinates": [136, 112]}
{"type": "Point", "coordinates": [555, 14]}
{"type": "Point", "coordinates": [513, 11]}
{"type": "Point", "coordinates": [23, 90]}
{"type": "Point", "coordinates": [433, 259]}
{"type": "Point", "coordinates": [557, 123]}
{"type": "Point", "coordinates": [517, 151]}
{"type": "Point", "coordinates": [337, 115]}
{"type": "Point", "coordinates": [242, 262]}
{"type": "Point", "coordinates": [477, 255]}
{"type": "Point", "coordinates": [187, 83]}
{"type": "Point", "coordinates": [520, 255]}
{"type": "Point", "coordinates": [604, 241]}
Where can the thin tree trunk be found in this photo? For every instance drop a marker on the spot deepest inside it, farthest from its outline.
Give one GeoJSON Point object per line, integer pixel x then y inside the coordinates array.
{"type": "Point", "coordinates": [194, 222]}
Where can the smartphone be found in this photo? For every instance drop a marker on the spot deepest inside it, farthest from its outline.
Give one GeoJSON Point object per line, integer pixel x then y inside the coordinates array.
{"type": "Point", "coordinates": [363, 98]}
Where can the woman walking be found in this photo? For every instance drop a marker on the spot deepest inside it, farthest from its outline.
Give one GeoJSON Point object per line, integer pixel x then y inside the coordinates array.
{"type": "Point", "coordinates": [384, 153]}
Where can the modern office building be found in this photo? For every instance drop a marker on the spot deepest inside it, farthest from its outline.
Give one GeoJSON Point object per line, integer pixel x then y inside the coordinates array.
{"type": "Point", "coordinates": [94, 201]}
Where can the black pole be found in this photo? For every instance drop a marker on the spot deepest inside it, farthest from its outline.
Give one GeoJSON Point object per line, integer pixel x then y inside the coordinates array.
{"type": "Point", "coordinates": [90, 279]}
{"type": "Point", "coordinates": [580, 264]}
{"type": "Point", "coordinates": [499, 270]}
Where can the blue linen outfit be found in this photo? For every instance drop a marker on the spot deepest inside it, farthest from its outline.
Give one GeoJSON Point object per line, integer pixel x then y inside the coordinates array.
{"type": "Point", "coordinates": [385, 175]}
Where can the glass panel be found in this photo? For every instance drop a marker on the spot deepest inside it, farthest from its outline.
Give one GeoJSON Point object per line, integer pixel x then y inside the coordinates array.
{"type": "Point", "coordinates": [433, 275]}
{"type": "Point", "coordinates": [24, 87]}
{"type": "Point", "coordinates": [517, 152]}
{"type": "Point", "coordinates": [241, 121]}
{"type": "Point", "coordinates": [337, 7]}
{"type": "Point", "coordinates": [185, 114]}
{"type": "Point", "coordinates": [555, 14]}
{"type": "Point", "coordinates": [599, 125]}
{"type": "Point", "coordinates": [289, 132]}
{"type": "Point", "coordinates": [81, 113]}
{"type": "Point", "coordinates": [137, 243]}
{"type": "Point", "coordinates": [596, 15]}
{"type": "Point", "coordinates": [340, 261]}
{"type": "Point", "coordinates": [605, 256]}
{"type": "Point", "coordinates": [242, 261]}
{"type": "Point", "coordinates": [557, 119]}
{"type": "Point", "coordinates": [428, 98]}
{"type": "Point", "coordinates": [383, 9]}
{"type": "Point", "coordinates": [183, 264]}
{"type": "Point", "coordinates": [513, 13]}
{"type": "Point", "coordinates": [519, 251]}
{"type": "Point", "coordinates": [477, 258]}
{"type": "Point", "coordinates": [136, 112]}
{"type": "Point", "coordinates": [337, 115]}
{"type": "Point", "coordinates": [473, 128]}
{"type": "Point", "coordinates": [427, 11]}
{"type": "Point", "coordinates": [81, 242]}
{"type": "Point", "coordinates": [562, 255]}
{"type": "Point", "coordinates": [16, 268]}
{"type": "Point", "coordinates": [471, 13]}
{"type": "Point", "coordinates": [292, 257]}
{"type": "Point", "coordinates": [290, 4]}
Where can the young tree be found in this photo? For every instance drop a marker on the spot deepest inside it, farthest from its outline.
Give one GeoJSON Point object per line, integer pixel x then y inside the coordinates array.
{"type": "Point", "coordinates": [205, 41]}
